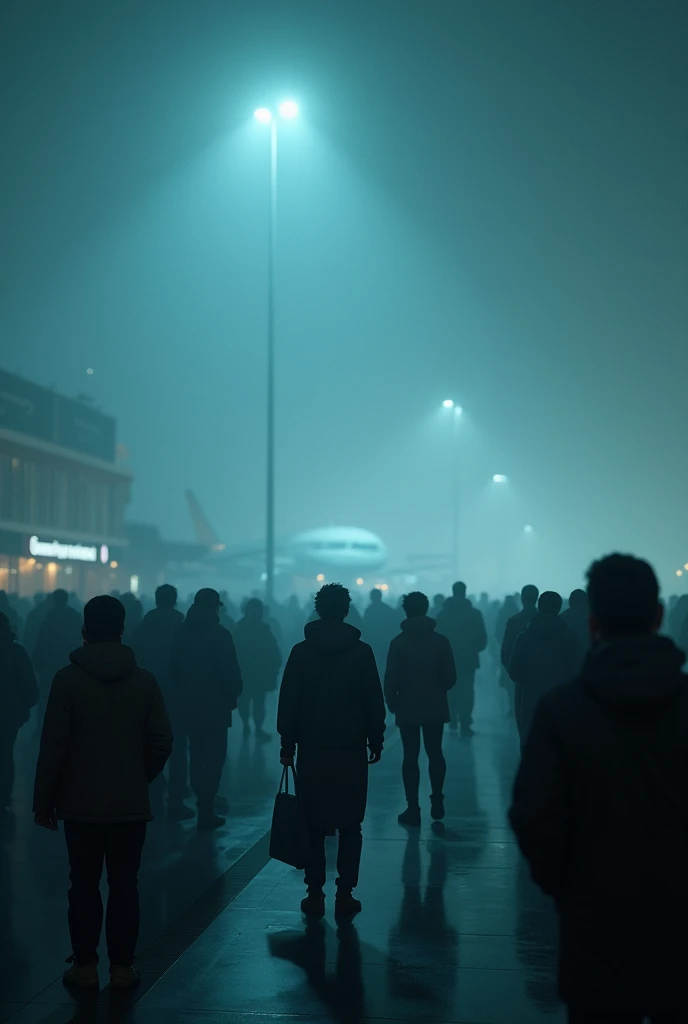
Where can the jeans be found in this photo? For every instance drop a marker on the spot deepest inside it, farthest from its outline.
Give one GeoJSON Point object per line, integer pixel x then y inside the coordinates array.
{"type": "Point", "coordinates": [120, 846]}
{"type": "Point", "coordinates": [348, 858]}
{"type": "Point", "coordinates": [8, 738]}
{"type": "Point", "coordinates": [207, 756]}
{"type": "Point", "coordinates": [437, 766]}
{"type": "Point", "coordinates": [462, 699]}
{"type": "Point", "coordinates": [257, 700]}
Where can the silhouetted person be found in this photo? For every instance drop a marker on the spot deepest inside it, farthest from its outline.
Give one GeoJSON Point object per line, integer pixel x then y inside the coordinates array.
{"type": "Point", "coordinates": [106, 737]}
{"type": "Point", "coordinates": [437, 605]}
{"type": "Point", "coordinates": [577, 617]}
{"type": "Point", "coordinates": [677, 617]}
{"type": "Point", "coordinates": [600, 808]}
{"type": "Point", "coordinates": [380, 626]}
{"type": "Point", "coordinates": [153, 638]}
{"type": "Point", "coordinates": [206, 683]}
{"type": "Point", "coordinates": [18, 694]}
{"type": "Point", "coordinates": [464, 627]}
{"type": "Point", "coordinates": [34, 620]}
{"type": "Point", "coordinates": [420, 673]}
{"type": "Point", "coordinates": [134, 617]}
{"type": "Point", "coordinates": [58, 635]}
{"type": "Point", "coordinates": [259, 660]}
{"type": "Point", "coordinates": [545, 655]}
{"type": "Point", "coordinates": [518, 622]}
{"type": "Point", "coordinates": [11, 613]}
{"type": "Point", "coordinates": [331, 710]}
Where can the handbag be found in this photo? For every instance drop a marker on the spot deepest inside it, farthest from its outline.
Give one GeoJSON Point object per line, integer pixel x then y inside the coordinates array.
{"type": "Point", "coordinates": [289, 834]}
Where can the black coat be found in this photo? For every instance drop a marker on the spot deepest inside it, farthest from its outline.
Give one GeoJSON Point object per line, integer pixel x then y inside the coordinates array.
{"type": "Point", "coordinates": [514, 627]}
{"type": "Point", "coordinates": [380, 626]}
{"type": "Point", "coordinates": [258, 654]}
{"type": "Point", "coordinates": [420, 672]}
{"type": "Point", "coordinates": [153, 640]}
{"type": "Point", "coordinates": [464, 627]}
{"type": "Point", "coordinates": [600, 810]}
{"type": "Point", "coordinates": [545, 655]}
{"type": "Point", "coordinates": [204, 672]}
{"type": "Point", "coordinates": [18, 688]}
{"type": "Point", "coordinates": [331, 708]}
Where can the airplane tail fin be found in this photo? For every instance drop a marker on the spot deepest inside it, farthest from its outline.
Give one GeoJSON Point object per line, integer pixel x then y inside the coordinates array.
{"type": "Point", "coordinates": [205, 534]}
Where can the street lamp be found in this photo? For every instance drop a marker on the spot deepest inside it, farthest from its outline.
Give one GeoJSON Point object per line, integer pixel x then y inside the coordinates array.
{"type": "Point", "coordinates": [457, 412]}
{"type": "Point", "coordinates": [499, 478]}
{"type": "Point", "coordinates": [287, 110]}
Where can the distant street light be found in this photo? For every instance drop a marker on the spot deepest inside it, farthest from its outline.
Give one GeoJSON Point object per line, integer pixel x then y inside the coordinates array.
{"type": "Point", "coordinates": [527, 529]}
{"type": "Point", "coordinates": [499, 478]}
{"type": "Point", "coordinates": [679, 572]}
{"type": "Point", "coordinates": [288, 109]}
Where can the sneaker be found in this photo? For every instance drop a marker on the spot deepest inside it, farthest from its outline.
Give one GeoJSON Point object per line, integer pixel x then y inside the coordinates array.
{"type": "Point", "coordinates": [180, 812]}
{"type": "Point", "coordinates": [437, 807]}
{"type": "Point", "coordinates": [208, 820]}
{"type": "Point", "coordinates": [346, 905]}
{"type": "Point", "coordinates": [314, 904]}
{"type": "Point", "coordinates": [124, 977]}
{"type": "Point", "coordinates": [411, 816]}
{"type": "Point", "coordinates": [81, 976]}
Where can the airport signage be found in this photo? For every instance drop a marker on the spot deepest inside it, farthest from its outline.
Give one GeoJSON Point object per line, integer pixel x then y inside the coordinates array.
{"type": "Point", "coordinates": [68, 552]}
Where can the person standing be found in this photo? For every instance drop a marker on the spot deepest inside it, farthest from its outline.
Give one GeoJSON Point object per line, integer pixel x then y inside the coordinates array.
{"type": "Point", "coordinates": [332, 712]}
{"type": "Point", "coordinates": [464, 627]}
{"type": "Point", "coordinates": [577, 617]}
{"type": "Point", "coordinates": [106, 736]}
{"type": "Point", "coordinates": [420, 673]}
{"type": "Point", "coordinates": [380, 625]}
{"type": "Point", "coordinates": [519, 621]}
{"type": "Point", "coordinates": [206, 685]}
{"type": "Point", "coordinates": [600, 808]}
{"type": "Point", "coordinates": [259, 660]}
{"type": "Point", "coordinates": [18, 694]}
{"type": "Point", "coordinates": [58, 635]}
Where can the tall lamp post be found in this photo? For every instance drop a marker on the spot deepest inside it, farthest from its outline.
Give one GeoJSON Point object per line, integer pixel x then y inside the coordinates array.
{"type": "Point", "coordinates": [456, 412]}
{"type": "Point", "coordinates": [287, 110]}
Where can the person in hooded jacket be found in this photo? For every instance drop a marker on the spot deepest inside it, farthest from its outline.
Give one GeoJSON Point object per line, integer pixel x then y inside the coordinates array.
{"type": "Point", "coordinates": [331, 710]}
{"type": "Point", "coordinates": [600, 808]}
{"type": "Point", "coordinates": [420, 673]}
{"type": "Point", "coordinates": [18, 694]}
{"type": "Point", "coordinates": [577, 617]}
{"type": "Point", "coordinates": [546, 654]}
{"type": "Point", "coordinates": [106, 736]}
{"type": "Point", "coordinates": [464, 627]}
{"type": "Point", "coordinates": [259, 660]}
{"type": "Point", "coordinates": [58, 635]}
{"type": "Point", "coordinates": [206, 685]}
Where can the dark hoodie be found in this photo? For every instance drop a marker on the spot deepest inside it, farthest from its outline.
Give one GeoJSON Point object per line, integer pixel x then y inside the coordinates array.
{"type": "Point", "coordinates": [420, 672]}
{"type": "Point", "coordinates": [600, 810]}
{"type": "Point", "coordinates": [545, 655]}
{"type": "Point", "coordinates": [106, 736]}
{"type": "Point", "coordinates": [204, 671]}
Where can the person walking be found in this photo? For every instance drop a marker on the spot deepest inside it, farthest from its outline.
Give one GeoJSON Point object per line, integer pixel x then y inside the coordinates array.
{"type": "Point", "coordinates": [18, 694]}
{"type": "Point", "coordinates": [600, 807]}
{"type": "Point", "coordinates": [206, 685]}
{"type": "Point", "coordinates": [464, 627]}
{"type": "Point", "coordinates": [332, 713]}
{"type": "Point", "coordinates": [380, 626]}
{"type": "Point", "coordinates": [58, 635]}
{"type": "Point", "coordinates": [106, 736]}
{"type": "Point", "coordinates": [259, 660]}
{"type": "Point", "coordinates": [420, 673]}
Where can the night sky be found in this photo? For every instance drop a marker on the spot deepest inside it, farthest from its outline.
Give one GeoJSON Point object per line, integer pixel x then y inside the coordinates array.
{"type": "Point", "coordinates": [483, 199]}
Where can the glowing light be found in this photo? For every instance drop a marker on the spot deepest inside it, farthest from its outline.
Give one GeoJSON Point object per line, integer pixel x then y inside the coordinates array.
{"type": "Point", "coordinates": [686, 566]}
{"type": "Point", "coordinates": [289, 109]}
{"type": "Point", "coordinates": [263, 115]}
{"type": "Point", "coordinates": [360, 581]}
{"type": "Point", "coordinates": [320, 577]}
{"type": "Point", "coordinates": [499, 478]}
{"type": "Point", "coordinates": [384, 586]}
{"type": "Point", "coordinates": [134, 584]}
{"type": "Point", "coordinates": [458, 411]}
{"type": "Point", "coordinates": [114, 565]}
{"type": "Point", "coordinates": [527, 529]}
{"type": "Point", "coordinates": [90, 371]}
{"type": "Point", "coordinates": [679, 572]}
{"type": "Point", "coordinates": [51, 567]}
{"type": "Point", "coordinates": [448, 403]}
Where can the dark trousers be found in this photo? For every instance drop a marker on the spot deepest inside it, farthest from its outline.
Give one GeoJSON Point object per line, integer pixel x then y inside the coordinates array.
{"type": "Point", "coordinates": [8, 737]}
{"type": "Point", "coordinates": [437, 766]}
{"type": "Point", "coordinates": [119, 846]}
{"type": "Point", "coordinates": [207, 756]}
{"type": "Point", "coordinates": [348, 858]}
{"type": "Point", "coordinates": [252, 701]}
{"type": "Point", "coordinates": [462, 699]}
{"type": "Point", "coordinates": [581, 1017]}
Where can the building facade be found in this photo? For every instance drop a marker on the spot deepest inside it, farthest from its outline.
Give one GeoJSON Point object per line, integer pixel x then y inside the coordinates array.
{"type": "Point", "coordinates": [62, 496]}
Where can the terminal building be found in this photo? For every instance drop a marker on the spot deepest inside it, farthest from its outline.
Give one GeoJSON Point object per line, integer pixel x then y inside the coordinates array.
{"type": "Point", "coordinates": [62, 495]}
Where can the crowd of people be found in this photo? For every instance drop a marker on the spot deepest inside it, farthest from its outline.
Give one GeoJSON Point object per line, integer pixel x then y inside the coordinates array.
{"type": "Point", "coordinates": [597, 694]}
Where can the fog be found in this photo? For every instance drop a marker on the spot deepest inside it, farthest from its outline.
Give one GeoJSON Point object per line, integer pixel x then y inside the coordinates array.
{"type": "Point", "coordinates": [483, 201]}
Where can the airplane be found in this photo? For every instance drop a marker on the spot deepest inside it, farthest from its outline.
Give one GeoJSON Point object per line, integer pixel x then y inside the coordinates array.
{"type": "Point", "coordinates": [347, 550]}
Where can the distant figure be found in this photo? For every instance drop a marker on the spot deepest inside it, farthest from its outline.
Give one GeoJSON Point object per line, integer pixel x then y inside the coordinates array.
{"type": "Point", "coordinates": [153, 638]}
{"type": "Point", "coordinates": [577, 617]}
{"type": "Point", "coordinates": [106, 737]}
{"type": "Point", "coordinates": [134, 617]}
{"type": "Point", "coordinates": [206, 685]}
{"type": "Point", "coordinates": [420, 673]}
{"type": "Point", "coordinates": [18, 694]}
{"type": "Point", "coordinates": [678, 618]}
{"type": "Point", "coordinates": [380, 626]}
{"type": "Point", "coordinates": [437, 605]}
{"type": "Point", "coordinates": [58, 635]}
{"type": "Point", "coordinates": [600, 808]}
{"type": "Point", "coordinates": [505, 612]}
{"type": "Point", "coordinates": [259, 660]}
{"type": "Point", "coordinates": [545, 655]}
{"type": "Point", "coordinates": [331, 710]}
{"type": "Point", "coordinates": [12, 616]}
{"type": "Point", "coordinates": [228, 612]}
{"type": "Point", "coordinates": [464, 627]}
{"type": "Point", "coordinates": [518, 622]}
{"type": "Point", "coordinates": [34, 620]}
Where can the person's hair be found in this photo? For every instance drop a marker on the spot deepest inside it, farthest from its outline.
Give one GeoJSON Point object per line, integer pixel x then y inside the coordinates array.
{"type": "Point", "coordinates": [415, 604]}
{"type": "Point", "coordinates": [333, 601]}
{"type": "Point", "coordinates": [254, 608]}
{"type": "Point", "coordinates": [376, 594]}
{"type": "Point", "coordinates": [166, 596]}
{"type": "Point", "coordinates": [578, 599]}
{"type": "Point", "coordinates": [529, 594]}
{"type": "Point", "coordinates": [207, 598]}
{"type": "Point", "coordinates": [624, 595]}
{"type": "Point", "coordinates": [104, 619]}
{"type": "Point", "coordinates": [550, 603]}
{"type": "Point", "coordinates": [60, 597]}
{"type": "Point", "coordinates": [459, 589]}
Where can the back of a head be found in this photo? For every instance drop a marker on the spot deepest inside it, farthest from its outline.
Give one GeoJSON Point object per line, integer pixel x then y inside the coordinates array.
{"type": "Point", "coordinates": [104, 620]}
{"type": "Point", "coordinates": [529, 595]}
{"type": "Point", "coordinates": [254, 608]}
{"type": "Point", "coordinates": [415, 604]}
{"type": "Point", "coordinates": [207, 599]}
{"type": "Point", "coordinates": [459, 589]}
{"type": "Point", "coordinates": [166, 596]}
{"type": "Point", "coordinates": [550, 603]}
{"type": "Point", "coordinates": [60, 598]}
{"type": "Point", "coordinates": [624, 596]}
{"type": "Point", "coordinates": [578, 600]}
{"type": "Point", "coordinates": [332, 602]}
{"type": "Point", "coordinates": [375, 595]}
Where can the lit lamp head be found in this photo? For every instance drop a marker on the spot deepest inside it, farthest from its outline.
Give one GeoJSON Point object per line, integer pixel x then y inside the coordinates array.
{"type": "Point", "coordinates": [499, 478]}
{"type": "Point", "coordinates": [263, 115]}
{"type": "Point", "coordinates": [288, 109]}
